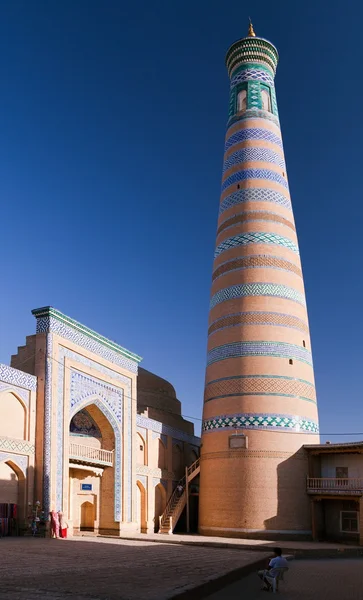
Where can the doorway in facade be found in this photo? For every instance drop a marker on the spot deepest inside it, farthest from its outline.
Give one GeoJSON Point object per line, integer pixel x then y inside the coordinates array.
{"type": "Point", "coordinates": [91, 470]}
{"type": "Point", "coordinates": [87, 517]}
{"type": "Point", "coordinates": [141, 507]}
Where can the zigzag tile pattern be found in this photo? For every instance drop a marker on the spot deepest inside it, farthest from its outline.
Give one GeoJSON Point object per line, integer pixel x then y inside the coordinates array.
{"type": "Point", "coordinates": [255, 237]}
{"type": "Point", "coordinates": [257, 289]}
{"type": "Point", "coordinates": [252, 133]}
{"type": "Point", "coordinates": [253, 154]}
{"type": "Point", "coordinates": [255, 215]}
{"type": "Point", "coordinates": [256, 261]}
{"type": "Point", "coordinates": [250, 75]}
{"type": "Point", "coordinates": [254, 195]}
{"type": "Point", "coordinates": [245, 174]}
{"type": "Point", "coordinates": [272, 349]}
{"type": "Point", "coordinates": [257, 385]}
{"type": "Point", "coordinates": [258, 318]}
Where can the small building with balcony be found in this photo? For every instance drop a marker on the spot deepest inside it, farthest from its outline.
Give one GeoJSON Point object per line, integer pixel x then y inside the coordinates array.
{"type": "Point", "coordinates": [335, 487]}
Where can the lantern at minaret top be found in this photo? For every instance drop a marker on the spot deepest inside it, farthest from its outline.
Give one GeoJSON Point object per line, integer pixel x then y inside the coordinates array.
{"type": "Point", "coordinates": [260, 404]}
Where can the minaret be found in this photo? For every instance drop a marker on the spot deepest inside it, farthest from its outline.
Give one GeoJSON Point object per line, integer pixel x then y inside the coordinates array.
{"type": "Point", "coordinates": [260, 403]}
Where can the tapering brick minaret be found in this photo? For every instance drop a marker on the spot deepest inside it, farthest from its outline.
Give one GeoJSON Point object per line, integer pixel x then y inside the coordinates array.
{"type": "Point", "coordinates": [260, 403]}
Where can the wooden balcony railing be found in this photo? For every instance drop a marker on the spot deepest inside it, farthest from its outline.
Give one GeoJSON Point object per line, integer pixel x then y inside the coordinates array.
{"type": "Point", "coordinates": [330, 484]}
{"type": "Point", "coordinates": [90, 455]}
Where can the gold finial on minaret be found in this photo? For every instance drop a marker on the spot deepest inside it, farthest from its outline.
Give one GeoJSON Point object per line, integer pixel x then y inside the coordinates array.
{"type": "Point", "coordinates": [251, 32]}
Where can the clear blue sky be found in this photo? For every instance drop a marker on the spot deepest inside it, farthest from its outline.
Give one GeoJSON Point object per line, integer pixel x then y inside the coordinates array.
{"type": "Point", "coordinates": [112, 121]}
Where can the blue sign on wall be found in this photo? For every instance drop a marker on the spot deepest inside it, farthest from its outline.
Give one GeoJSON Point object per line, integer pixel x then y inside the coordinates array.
{"type": "Point", "coordinates": [86, 487]}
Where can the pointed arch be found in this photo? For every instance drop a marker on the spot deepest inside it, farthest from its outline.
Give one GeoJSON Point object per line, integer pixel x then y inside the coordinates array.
{"type": "Point", "coordinates": [141, 503]}
{"type": "Point", "coordinates": [162, 462]}
{"type": "Point", "coordinates": [14, 412]}
{"type": "Point", "coordinates": [94, 399]}
{"type": "Point", "coordinates": [141, 450]}
{"type": "Point", "coordinates": [159, 505]}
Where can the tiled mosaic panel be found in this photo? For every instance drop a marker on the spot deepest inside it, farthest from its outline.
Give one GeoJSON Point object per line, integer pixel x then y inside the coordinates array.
{"type": "Point", "coordinates": [260, 385]}
{"type": "Point", "coordinates": [252, 133]}
{"type": "Point", "coordinates": [20, 461]}
{"type": "Point", "coordinates": [51, 324]}
{"type": "Point", "coordinates": [17, 378]}
{"type": "Point", "coordinates": [271, 422]}
{"type": "Point", "coordinates": [244, 174]}
{"type": "Point", "coordinates": [246, 216]}
{"type": "Point", "coordinates": [82, 424]}
{"type": "Point", "coordinates": [48, 407]}
{"type": "Point", "coordinates": [272, 349]}
{"type": "Point", "coordinates": [254, 195]}
{"type": "Point", "coordinates": [85, 387]}
{"type": "Point", "coordinates": [253, 154]}
{"type": "Point", "coordinates": [252, 74]}
{"type": "Point", "coordinates": [254, 262]}
{"type": "Point", "coordinates": [254, 95]}
{"type": "Point", "coordinates": [255, 237]}
{"type": "Point", "coordinates": [258, 318]}
{"type": "Point", "coordinates": [257, 289]}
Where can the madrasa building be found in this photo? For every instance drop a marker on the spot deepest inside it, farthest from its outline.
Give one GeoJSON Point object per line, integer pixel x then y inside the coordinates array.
{"type": "Point", "coordinates": [86, 431]}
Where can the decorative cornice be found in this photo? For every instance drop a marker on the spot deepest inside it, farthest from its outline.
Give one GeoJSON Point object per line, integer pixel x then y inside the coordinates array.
{"type": "Point", "coordinates": [18, 446]}
{"type": "Point", "coordinates": [50, 312]}
{"type": "Point", "coordinates": [250, 49]}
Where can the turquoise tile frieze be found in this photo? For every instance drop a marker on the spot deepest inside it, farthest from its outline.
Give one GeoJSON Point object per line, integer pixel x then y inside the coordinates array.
{"type": "Point", "coordinates": [259, 348]}
{"type": "Point", "coordinates": [243, 290]}
{"type": "Point", "coordinates": [276, 422]}
{"type": "Point", "coordinates": [254, 195]}
{"type": "Point", "coordinates": [255, 237]}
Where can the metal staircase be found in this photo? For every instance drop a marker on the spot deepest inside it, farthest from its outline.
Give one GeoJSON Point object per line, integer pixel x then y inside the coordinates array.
{"type": "Point", "coordinates": [177, 501]}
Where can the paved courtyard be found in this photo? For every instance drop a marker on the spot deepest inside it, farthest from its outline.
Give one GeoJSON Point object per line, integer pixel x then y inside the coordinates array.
{"type": "Point", "coordinates": [90, 569]}
{"type": "Point", "coordinates": [336, 579]}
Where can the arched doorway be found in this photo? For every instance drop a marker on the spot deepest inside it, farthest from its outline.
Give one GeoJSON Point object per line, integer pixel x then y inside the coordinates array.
{"type": "Point", "coordinates": [141, 507]}
{"type": "Point", "coordinates": [13, 416]}
{"type": "Point", "coordinates": [91, 469]}
{"type": "Point", "coordinates": [87, 516]}
{"type": "Point", "coordinates": [161, 455]}
{"type": "Point", "coordinates": [140, 450]}
{"type": "Point", "coordinates": [9, 484]}
{"type": "Point", "coordinates": [177, 461]}
{"type": "Point", "coordinates": [160, 504]}
{"type": "Point", "coordinates": [193, 457]}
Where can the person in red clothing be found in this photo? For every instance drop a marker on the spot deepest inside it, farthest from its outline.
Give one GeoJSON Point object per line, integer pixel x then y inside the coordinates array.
{"type": "Point", "coordinates": [63, 525]}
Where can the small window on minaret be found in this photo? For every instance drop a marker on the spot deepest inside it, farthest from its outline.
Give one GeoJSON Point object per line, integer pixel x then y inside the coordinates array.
{"type": "Point", "coordinates": [291, 362]}
{"type": "Point", "coordinates": [304, 344]}
{"type": "Point", "coordinates": [266, 100]}
{"type": "Point", "coordinates": [242, 101]}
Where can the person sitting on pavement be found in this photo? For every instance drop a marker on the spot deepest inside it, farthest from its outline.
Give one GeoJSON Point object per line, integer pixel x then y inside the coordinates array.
{"type": "Point", "coordinates": [275, 564]}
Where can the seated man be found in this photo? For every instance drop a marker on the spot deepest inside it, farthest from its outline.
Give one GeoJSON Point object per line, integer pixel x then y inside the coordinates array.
{"type": "Point", "coordinates": [276, 563]}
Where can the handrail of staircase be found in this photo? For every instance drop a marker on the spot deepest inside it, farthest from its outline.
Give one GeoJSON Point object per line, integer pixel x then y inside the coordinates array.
{"type": "Point", "coordinates": [182, 482]}
{"type": "Point", "coordinates": [175, 493]}
{"type": "Point", "coordinates": [194, 466]}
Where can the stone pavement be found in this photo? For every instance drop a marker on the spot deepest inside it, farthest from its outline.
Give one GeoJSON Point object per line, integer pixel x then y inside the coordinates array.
{"type": "Point", "coordinates": [298, 548]}
{"type": "Point", "coordinates": [110, 569]}
{"type": "Point", "coordinates": [336, 579]}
